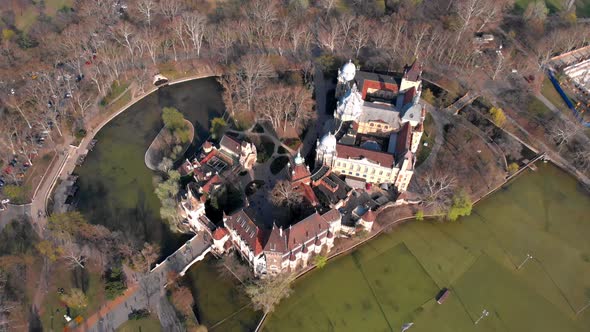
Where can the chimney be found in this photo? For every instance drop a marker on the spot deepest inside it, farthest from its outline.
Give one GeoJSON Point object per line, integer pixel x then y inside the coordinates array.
{"type": "Point", "coordinates": [281, 231]}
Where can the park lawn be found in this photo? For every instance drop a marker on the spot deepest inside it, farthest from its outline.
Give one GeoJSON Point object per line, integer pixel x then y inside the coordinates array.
{"type": "Point", "coordinates": [428, 138]}
{"type": "Point", "coordinates": [25, 20]}
{"type": "Point", "coordinates": [148, 324]}
{"type": "Point", "coordinates": [63, 277]}
{"type": "Point", "coordinates": [537, 108]}
{"type": "Point", "coordinates": [35, 173]}
{"type": "Point", "coordinates": [583, 8]}
{"type": "Point", "coordinates": [52, 6]}
{"type": "Point", "coordinates": [382, 287]}
{"type": "Point", "coordinates": [548, 90]}
{"type": "Point", "coordinates": [553, 5]}
{"type": "Point", "coordinates": [542, 213]}
{"type": "Point", "coordinates": [117, 88]}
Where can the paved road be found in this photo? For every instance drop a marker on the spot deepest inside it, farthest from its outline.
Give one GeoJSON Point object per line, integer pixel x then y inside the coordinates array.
{"type": "Point", "coordinates": [322, 86]}
{"type": "Point", "coordinates": [149, 291]}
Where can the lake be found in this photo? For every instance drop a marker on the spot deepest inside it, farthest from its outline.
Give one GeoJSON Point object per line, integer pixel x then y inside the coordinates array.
{"type": "Point", "coordinates": [116, 187]}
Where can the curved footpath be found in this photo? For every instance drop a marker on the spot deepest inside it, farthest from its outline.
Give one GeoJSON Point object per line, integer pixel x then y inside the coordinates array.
{"type": "Point", "coordinates": [69, 155]}
{"type": "Point", "coordinates": [65, 164]}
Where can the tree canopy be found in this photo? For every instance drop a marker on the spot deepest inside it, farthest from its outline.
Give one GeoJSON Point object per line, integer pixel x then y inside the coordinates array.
{"type": "Point", "coordinates": [461, 206]}
{"type": "Point", "coordinates": [268, 292]}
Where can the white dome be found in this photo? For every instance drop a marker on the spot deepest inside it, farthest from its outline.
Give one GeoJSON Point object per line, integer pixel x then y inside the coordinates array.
{"type": "Point", "coordinates": [328, 143]}
{"type": "Point", "coordinates": [350, 106]}
{"type": "Point", "coordinates": [347, 72]}
{"type": "Point", "coordinates": [299, 159]}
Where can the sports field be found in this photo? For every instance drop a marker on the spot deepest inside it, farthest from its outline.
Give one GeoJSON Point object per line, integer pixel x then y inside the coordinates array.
{"type": "Point", "coordinates": [392, 280]}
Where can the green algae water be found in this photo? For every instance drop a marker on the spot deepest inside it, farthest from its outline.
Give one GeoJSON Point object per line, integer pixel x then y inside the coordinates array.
{"type": "Point", "coordinates": [392, 280]}
{"type": "Point", "coordinates": [116, 187]}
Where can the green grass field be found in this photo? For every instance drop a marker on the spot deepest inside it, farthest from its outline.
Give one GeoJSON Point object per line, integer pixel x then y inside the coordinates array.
{"type": "Point", "coordinates": [393, 279]}
{"type": "Point", "coordinates": [554, 6]}
{"type": "Point", "coordinates": [53, 308]}
{"type": "Point", "coordinates": [26, 17]}
{"type": "Point", "coordinates": [148, 324]}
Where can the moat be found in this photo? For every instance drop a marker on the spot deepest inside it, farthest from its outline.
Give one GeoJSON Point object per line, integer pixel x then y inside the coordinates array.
{"type": "Point", "coordinates": [389, 281]}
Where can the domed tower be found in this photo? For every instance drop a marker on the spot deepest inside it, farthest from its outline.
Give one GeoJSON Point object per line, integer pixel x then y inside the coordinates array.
{"type": "Point", "coordinates": [349, 107]}
{"type": "Point", "coordinates": [346, 76]}
{"type": "Point", "coordinates": [347, 72]}
{"type": "Point", "coordinates": [326, 151]}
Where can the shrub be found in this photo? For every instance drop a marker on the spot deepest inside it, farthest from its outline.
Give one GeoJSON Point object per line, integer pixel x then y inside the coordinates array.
{"type": "Point", "coordinates": [320, 261]}
{"type": "Point", "coordinates": [115, 283]}
{"type": "Point", "coordinates": [498, 116]}
{"type": "Point", "coordinates": [16, 194]}
{"type": "Point", "coordinates": [218, 126]}
{"type": "Point", "coordinates": [138, 314]}
{"type": "Point", "coordinates": [513, 168]}
{"type": "Point", "coordinates": [428, 96]}
{"type": "Point", "coordinates": [419, 215]}
{"type": "Point", "coordinates": [7, 34]}
{"type": "Point", "coordinates": [461, 206]}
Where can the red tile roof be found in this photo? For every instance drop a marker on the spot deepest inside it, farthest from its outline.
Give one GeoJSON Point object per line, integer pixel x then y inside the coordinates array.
{"type": "Point", "coordinates": [332, 215]}
{"type": "Point", "coordinates": [352, 152]}
{"type": "Point", "coordinates": [299, 173]}
{"type": "Point", "coordinates": [369, 216]}
{"type": "Point", "coordinates": [404, 139]}
{"type": "Point", "coordinates": [207, 145]}
{"type": "Point", "coordinates": [214, 180]}
{"type": "Point", "coordinates": [247, 230]}
{"type": "Point", "coordinates": [220, 233]}
{"type": "Point", "coordinates": [409, 95]}
{"type": "Point", "coordinates": [292, 238]}
{"type": "Point", "coordinates": [231, 144]}
{"type": "Point", "coordinates": [413, 71]}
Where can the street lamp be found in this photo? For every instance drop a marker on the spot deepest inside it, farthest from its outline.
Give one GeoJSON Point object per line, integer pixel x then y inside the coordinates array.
{"type": "Point", "coordinates": [484, 313]}
{"type": "Point", "coordinates": [528, 256]}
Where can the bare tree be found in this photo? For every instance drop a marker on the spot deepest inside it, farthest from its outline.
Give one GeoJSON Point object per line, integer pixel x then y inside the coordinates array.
{"type": "Point", "coordinates": [468, 11]}
{"type": "Point", "coordinates": [437, 189]}
{"type": "Point", "coordinates": [562, 133]}
{"type": "Point", "coordinates": [329, 34]}
{"type": "Point", "coordinates": [195, 27]}
{"type": "Point", "coordinates": [361, 34]}
{"type": "Point", "coordinates": [171, 8]}
{"type": "Point", "coordinates": [124, 34]}
{"type": "Point", "coordinates": [582, 159]}
{"type": "Point", "coordinates": [147, 8]}
{"type": "Point", "coordinates": [283, 194]}
{"type": "Point", "coordinates": [254, 70]}
{"type": "Point", "coordinates": [266, 293]}
{"type": "Point", "coordinates": [74, 254]}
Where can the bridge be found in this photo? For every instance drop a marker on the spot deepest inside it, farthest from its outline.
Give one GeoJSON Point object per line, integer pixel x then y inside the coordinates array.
{"type": "Point", "coordinates": [467, 99]}
{"type": "Point", "coordinates": [148, 290]}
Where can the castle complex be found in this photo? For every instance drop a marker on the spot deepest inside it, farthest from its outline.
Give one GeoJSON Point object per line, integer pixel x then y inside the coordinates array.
{"type": "Point", "coordinates": [377, 130]}
{"type": "Point", "coordinates": [379, 126]}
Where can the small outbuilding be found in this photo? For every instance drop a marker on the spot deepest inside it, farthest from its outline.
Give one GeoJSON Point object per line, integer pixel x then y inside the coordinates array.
{"type": "Point", "coordinates": [442, 295]}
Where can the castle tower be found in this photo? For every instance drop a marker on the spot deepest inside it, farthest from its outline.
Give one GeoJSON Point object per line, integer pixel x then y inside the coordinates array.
{"type": "Point", "coordinates": [412, 77]}
{"type": "Point", "coordinates": [346, 76]}
{"type": "Point", "coordinates": [326, 151]}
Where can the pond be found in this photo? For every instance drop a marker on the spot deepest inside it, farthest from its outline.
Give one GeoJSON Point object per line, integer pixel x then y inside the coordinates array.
{"type": "Point", "coordinates": [116, 187]}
